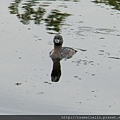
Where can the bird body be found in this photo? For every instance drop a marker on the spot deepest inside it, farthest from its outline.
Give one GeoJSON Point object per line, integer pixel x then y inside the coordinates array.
{"type": "Point", "coordinates": [59, 52]}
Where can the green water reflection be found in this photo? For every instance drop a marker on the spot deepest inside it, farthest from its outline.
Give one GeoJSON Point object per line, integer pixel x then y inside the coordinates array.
{"type": "Point", "coordinates": [114, 3]}
{"type": "Point", "coordinates": [55, 20]}
{"type": "Point", "coordinates": [34, 10]}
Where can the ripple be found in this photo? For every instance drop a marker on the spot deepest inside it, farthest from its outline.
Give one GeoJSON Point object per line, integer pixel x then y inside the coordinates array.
{"type": "Point", "coordinates": [83, 30]}
{"type": "Point", "coordinates": [114, 57]}
{"type": "Point", "coordinates": [83, 62]}
{"type": "Point", "coordinates": [40, 93]}
{"type": "Point", "coordinates": [81, 49]}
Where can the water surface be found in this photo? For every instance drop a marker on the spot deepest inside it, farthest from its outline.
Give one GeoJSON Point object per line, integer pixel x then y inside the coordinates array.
{"type": "Point", "coordinates": [89, 82]}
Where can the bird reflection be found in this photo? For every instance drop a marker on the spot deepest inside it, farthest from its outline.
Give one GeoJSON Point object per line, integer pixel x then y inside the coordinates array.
{"type": "Point", "coordinates": [56, 71]}
{"type": "Point", "coordinates": [57, 54]}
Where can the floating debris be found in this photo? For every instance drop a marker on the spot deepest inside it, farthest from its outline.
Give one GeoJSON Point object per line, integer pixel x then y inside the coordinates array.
{"type": "Point", "coordinates": [93, 74]}
{"type": "Point", "coordinates": [36, 36]}
{"type": "Point", "coordinates": [85, 63]}
{"type": "Point", "coordinates": [20, 57]}
{"type": "Point", "coordinates": [75, 76]}
{"type": "Point", "coordinates": [101, 50]}
{"type": "Point", "coordinates": [90, 61]}
{"type": "Point", "coordinates": [47, 82]}
{"type": "Point", "coordinates": [50, 83]}
{"type": "Point", "coordinates": [100, 54]}
{"type": "Point", "coordinates": [102, 38]}
{"type": "Point", "coordinates": [110, 106]}
{"type": "Point", "coordinates": [18, 84]}
{"type": "Point", "coordinates": [114, 57]}
{"type": "Point", "coordinates": [40, 93]}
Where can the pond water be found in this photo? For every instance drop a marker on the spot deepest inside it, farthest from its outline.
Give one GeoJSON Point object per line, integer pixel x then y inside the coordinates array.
{"type": "Point", "coordinates": [89, 82]}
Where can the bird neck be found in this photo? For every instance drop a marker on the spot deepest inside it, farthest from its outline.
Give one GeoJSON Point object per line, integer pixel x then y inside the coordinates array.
{"type": "Point", "coordinates": [57, 47]}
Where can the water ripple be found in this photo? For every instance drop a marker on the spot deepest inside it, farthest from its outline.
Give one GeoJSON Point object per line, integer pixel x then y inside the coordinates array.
{"type": "Point", "coordinates": [84, 30]}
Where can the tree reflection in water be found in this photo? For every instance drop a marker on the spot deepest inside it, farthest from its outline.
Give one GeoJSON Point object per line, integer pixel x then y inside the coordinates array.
{"type": "Point", "coordinates": [55, 20]}
{"type": "Point", "coordinates": [115, 3]}
{"type": "Point", "coordinates": [33, 10]}
{"type": "Point", "coordinates": [29, 13]}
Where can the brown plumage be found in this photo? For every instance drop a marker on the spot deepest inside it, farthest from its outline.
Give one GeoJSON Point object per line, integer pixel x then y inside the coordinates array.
{"type": "Point", "coordinates": [59, 52]}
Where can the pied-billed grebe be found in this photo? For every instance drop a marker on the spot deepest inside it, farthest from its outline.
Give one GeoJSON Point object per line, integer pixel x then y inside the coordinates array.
{"type": "Point", "coordinates": [59, 52]}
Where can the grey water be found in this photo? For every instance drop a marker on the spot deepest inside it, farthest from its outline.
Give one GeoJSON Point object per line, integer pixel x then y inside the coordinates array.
{"type": "Point", "coordinates": [89, 82]}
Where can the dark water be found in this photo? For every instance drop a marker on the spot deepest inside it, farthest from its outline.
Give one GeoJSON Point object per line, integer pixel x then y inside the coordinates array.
{"type": "Point", "coordinates": [89, 82]}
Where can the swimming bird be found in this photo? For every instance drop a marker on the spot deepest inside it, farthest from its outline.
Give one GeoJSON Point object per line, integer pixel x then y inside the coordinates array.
{"type": "Point", "coordinates": [59, 52]}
